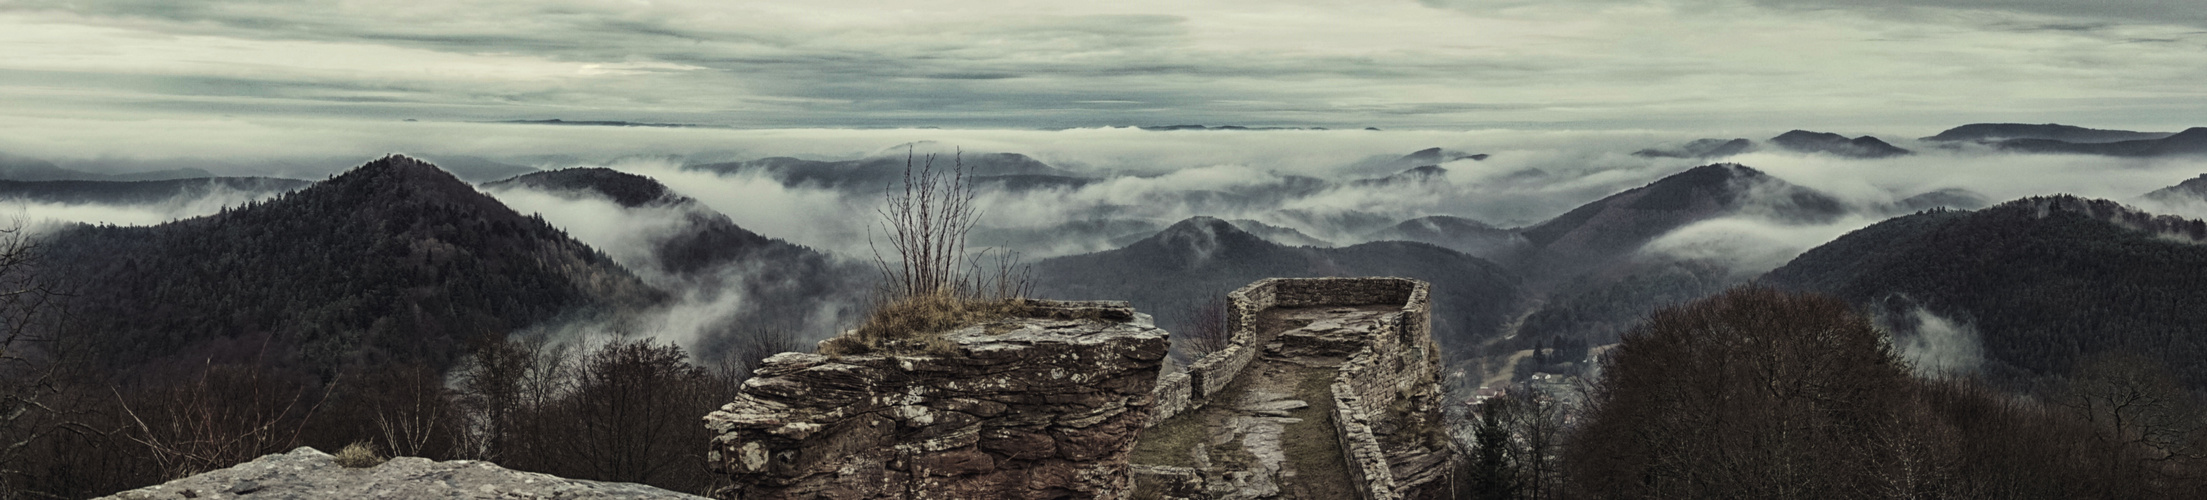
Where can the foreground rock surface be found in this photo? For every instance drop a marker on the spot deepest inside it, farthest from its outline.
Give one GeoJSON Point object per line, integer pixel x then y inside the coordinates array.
{"type": "Point", "coordinates": [309, 473]}
{"type": "Point", "coordinates": [1038, 407]}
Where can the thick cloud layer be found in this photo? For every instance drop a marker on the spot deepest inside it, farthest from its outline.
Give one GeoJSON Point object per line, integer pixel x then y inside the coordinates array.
{"type": "Point", "coordinates": [45, 215]}
{"type": "Point", "coordinates": [976, 63]}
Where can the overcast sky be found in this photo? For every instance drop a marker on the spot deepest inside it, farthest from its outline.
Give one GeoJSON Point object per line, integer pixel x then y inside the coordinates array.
{"type": "Point", "coordinates": [1435, 64]}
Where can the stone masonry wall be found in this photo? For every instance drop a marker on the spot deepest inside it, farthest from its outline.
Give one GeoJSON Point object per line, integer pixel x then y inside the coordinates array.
{"type": "Point", "coordinates": [1402, 366]}
{"type": "Point", "coordinates": [1189, 390]}
{"type": "Point", "coordinates": [1029, 408]}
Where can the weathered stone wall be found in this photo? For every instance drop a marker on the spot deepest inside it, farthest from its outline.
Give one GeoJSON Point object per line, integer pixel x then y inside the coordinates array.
{"type": "Point", "coordinates": [1189, 390]}
{"type": "Point", "coordinates": [1030, 408]}
{"type": "Point", "coordinates": [1394, 376]}
{"type": "Point", "coordinates": [1394, 372]}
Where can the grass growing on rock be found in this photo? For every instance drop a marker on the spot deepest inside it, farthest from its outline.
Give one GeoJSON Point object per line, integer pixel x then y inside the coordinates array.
{"type": "Point", "coordinates": [916, 324]}
{"type": "Point", "coordinates": [359, 455]}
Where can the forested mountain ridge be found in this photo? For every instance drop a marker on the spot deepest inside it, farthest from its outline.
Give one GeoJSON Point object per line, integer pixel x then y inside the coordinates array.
{"type": "Point", "coordinates": [2192, 141]}
{"type": "Point", "coordinates": [2045, 281]}
{"type": "Point", "coordinates": [2051, 131]}
{"type": "Point", "coordinates": [393, 261]}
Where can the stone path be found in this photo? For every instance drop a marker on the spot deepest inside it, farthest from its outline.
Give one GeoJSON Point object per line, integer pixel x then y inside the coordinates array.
{"type": "Point", "coordinates": [1270, 434]}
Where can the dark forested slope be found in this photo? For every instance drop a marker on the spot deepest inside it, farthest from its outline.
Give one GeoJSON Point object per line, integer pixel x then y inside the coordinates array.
{"type": "Point", "coordinates": [393, 261]}
{"type": "Point", "coordinates": [2046, 281]}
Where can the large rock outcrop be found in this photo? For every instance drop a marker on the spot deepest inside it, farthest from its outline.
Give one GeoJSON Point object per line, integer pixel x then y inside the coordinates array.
{"type": "Point", "coordinates": [1032, 407]}
{"type": "Point", "coordinates": [309, 473]}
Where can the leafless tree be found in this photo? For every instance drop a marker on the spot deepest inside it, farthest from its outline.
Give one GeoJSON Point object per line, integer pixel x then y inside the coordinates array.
{"type": "Point", "coordinates": [230, 414]}
{"type": "Point", "coordinates": [32, 361]}
{"type": "Point", "coordinates": [2136, 406]}
{"type": "Point", "coordinates": [1203, 328]}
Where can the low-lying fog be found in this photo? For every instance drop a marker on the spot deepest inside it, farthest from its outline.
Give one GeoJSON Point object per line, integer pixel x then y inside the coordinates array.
{"type": "Point", "coordinates": [1158, 177]}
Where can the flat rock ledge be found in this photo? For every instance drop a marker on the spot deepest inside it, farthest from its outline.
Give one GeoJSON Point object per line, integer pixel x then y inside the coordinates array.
{"type": "Point", "coordinates": [309, 473]}
{"type": "Point", "coordinates": [1039, 407]}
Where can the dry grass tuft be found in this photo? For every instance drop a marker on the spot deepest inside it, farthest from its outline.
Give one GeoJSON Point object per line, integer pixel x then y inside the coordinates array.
{"type": "Point", "coordinates": [359, 455]}
{"type": "Point", "coordinates": [916, 324]}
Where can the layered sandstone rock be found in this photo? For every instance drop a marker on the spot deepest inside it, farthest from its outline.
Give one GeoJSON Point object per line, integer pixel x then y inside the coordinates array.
{"type": "Point", "coordinates": [1034, 407]}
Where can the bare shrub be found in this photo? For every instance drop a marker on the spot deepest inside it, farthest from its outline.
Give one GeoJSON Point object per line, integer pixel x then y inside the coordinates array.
{"type": "Point", "coordinates": [412, 411]}
{"type": "Point", "coordinates": [1203, 328]}
{"type": "Point", "coordinates": [934, 284]}
{"type": "Point", "coordinates": [230, 414]}
{"type": "Point", "coordinates": [753, 347]}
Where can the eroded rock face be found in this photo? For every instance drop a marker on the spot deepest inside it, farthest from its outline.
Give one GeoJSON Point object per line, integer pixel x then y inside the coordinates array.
{"type": "Point", "coordinates": [309, 473]}
{"type": "Point", "coordinates": [1044, 407]}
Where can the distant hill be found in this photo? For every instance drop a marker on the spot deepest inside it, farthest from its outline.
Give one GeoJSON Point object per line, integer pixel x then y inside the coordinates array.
{"type": "Point", "coordinates": [2046, 281]}
{"type": "Point", "coordinates": [19, 168]}
{"type": "Point", "coordinates": [1605, 231]}
{"type": "Point", "coordinates": [2192, 141]}
{"type": "Point", "coordinates": [1420, 158]}
{"type": "Point", "coordinates": [2192, 190]}
{"type": "Point", "coordinates": [1993, 132]}
{"type": "Point", "coordinates": [140, 192]}
{"type": "Point", "coordinates": [1202, 257]}
{"type": "Point", "coordinates": [394, 261]}
{"type": "Point", "coordinates": [1835, 144]}
{"type": "Point", "coordinates": [1010, 170]}
{"type": "Point", "coordinates": [1699, 149]}
{"type": "Point", "coordinates": [1471, 237]}
{"type": "Point", "coordinates": [1415, 176]}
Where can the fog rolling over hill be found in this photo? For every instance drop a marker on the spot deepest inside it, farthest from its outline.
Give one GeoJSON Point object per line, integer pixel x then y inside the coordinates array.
{"type": "Point", "coordinates": [394, 261]}
{"type": "Point", "coordinates": [1699, 149]}
{"type": "Point", "coordinates": [729, 280]}
{"type": "Point", "coordinates": [1471, 237]}
{"type": "Point", "coordinates": [2192, 141]}
{"type": "Point", "coordinates": [2044, 282]}
{"type": "Point", "coordinates": [78, 192]}
{"type": "Point", "coordinates": [1995, 132]}
{"type": "Point", "coordinates": [1201, 258]}
{"type": "Point", "coordinates": [870, 175]}
{"type": "Point", "coordinates": [1611, 230]}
